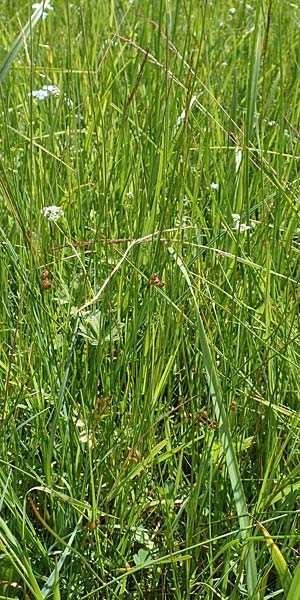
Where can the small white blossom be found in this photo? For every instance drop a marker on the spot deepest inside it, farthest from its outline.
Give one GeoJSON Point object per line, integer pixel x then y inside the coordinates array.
{"type": "Point", "coordinates": [37, 5]}
{"type": "Point", "coordinates": [214, 186]}
{"type": "Point", "coordinates": [238, 159]}
{"type": "Point", "coordinates": [68, 101]}
{"type": "Point", "coordinates": [232, 11]}
{"type": "Point", "coordinates": [52, 213]}
{"type": "Point", "coordinates": [45, 92]}
{"type": "Point", "coordinates": [183, 114]}
{"type": "Point", "coordinates": [129, 195]}
{"type": "Point", "coordinates": [39, 94]}
{"type": "Point", "coordinates": [237, 223]}
{"type": "Point", "coordinates": [85, 436]}
{"type": "Point", "coordinates": [244, 227]}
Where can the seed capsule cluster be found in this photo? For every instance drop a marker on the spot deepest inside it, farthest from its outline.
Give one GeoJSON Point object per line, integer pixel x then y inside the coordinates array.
{"type": "Point", "coordinates": [154, 280]}
{"type": "Point", "coordinates": [45, 281]}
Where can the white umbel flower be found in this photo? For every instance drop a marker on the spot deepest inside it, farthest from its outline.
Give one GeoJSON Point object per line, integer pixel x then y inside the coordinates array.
{"type": "Point", "coordinates": [237, 223]}
{"type": "Point", "coordinates": [45, 92]}
{"type": "Point", "coordinates": [43, 5]}
{"type": "Point", "coordinates": [52, 213]}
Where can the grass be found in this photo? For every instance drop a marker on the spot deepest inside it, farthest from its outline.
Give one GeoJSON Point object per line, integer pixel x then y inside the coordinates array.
{"type": "Point", "coordinates": [150, 423]}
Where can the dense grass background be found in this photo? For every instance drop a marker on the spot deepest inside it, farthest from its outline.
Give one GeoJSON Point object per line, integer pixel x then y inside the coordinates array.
{"type": "Point", "coordinates": [141, 424]}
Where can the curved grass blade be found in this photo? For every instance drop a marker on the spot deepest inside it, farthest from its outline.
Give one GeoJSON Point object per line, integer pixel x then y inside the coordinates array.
{"type": "Point", "coordinates": [20, 40]}
{"type": "Point", "coordinates": [225, 437]}
{"type": "Point", "coordinates": [279, 562]}
{"type": "Point", "coordinates": [294, 591]}
{"type": "Point", "coordinates": [53, 579]}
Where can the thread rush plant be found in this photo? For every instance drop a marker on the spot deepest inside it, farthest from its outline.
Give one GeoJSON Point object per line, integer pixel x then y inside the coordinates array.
{"type": "Point", "coordinates": [149, 322]}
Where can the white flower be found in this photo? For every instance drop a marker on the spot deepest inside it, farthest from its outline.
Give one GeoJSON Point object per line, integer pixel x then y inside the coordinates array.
{"type": "Point", "coordinates": [232, 11]}
{"type": "Point", "coordinates": [238, 159]}
{"type": "Point", "coordinates": [53, 90]}
{"type": "Point", "coordinates": [85, 436]}
{"type": "Point", "coordinates": [45, 92]}
{"type": "Point", "coordinates": [129, 195]}
{"type": "Point", "coordinates": [68, 101]}
{"type": "Point", "coordinates": [182, 115]}
{"type": "Point", "coordinates": [52, 213]}
{"type": "Point", "coordinates": [214, 186]}
{"type": "Point", "coordinates": [243, 227]}
{"type": "Point", "coordinates": [37, 5]}
{"type": "Point", "coordinates": [39, 94]}
{"type": "Point", "coordinates": [237, 223]}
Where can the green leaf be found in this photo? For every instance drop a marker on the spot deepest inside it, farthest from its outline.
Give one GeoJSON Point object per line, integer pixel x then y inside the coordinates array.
{"type": "Point", "coordinates": [143, 557]}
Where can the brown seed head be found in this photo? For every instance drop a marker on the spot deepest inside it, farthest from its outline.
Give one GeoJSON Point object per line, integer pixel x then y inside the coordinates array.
{"type": "Point", "coordinates": [45, 274]}
{"type": "Point", "coordinates": [46, 284]}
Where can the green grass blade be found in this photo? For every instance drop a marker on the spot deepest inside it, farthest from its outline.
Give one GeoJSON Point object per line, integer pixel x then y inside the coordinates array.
{"type": "Point", "coordinates": [53, 579]}
{"type": "Point", "coordinates": [56, 594]}
{"type": "Point", "coordinates": [294, 591]}
{"type": "Point", "coordinates": [278, 559]}
{"type": "Point", "coordinates": [254, 72]}
{"type": "Point", "coordinates": [21, 39]}
{"type": "Point", "coordinates": [225, 436]}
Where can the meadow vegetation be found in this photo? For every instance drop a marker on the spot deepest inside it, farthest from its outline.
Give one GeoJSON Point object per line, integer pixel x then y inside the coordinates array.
{"type": "Point", "coordinates": [149, 315]}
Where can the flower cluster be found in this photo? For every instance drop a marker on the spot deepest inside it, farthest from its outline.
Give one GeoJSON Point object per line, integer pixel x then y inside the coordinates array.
{"type": "Point", "coordinates": [37, 5]}
{"type": "Point", "coordinates": [237, 223]}
{"type": "Point", "coordinates": [45, 92]}
{"type": "Point", "coordinates": [85, 436]}
{"type": "Point", "coordinates": [50, 90]}
{"type": "Point", "coordinates": [52, 213]}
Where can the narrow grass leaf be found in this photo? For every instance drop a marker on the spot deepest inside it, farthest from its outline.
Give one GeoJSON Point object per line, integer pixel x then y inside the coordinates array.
{"type": "Point", "coordinates": [21, 39]}
{"type": "Point", "coordinates": [294, 591]}
{"type": "Point", "coordinates": [56, 594]}
{"type": "Point", "coordinates": [225, 436]}
{"type": "Point", "coordinates": [278, 560]}
{"type": "Point", "coordinates": [53, 579]}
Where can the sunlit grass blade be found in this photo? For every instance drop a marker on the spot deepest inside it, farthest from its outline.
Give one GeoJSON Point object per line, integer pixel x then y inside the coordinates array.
{"type": "Point", "coordinates": [11, 548]}
{"type": "Point", "coordinates": [21, 39]}
{"type": "Point", "coordinates": [279, 562]}
{"type": "Point", "coordinates": [150, 397]}
{"type": "Point", "coordinates": [53, 579]}
{"type": "Point", "coordinates": [294, 591]}
{"type": "Point", "coordinates": [225, 436]}
{"type": "Point", "coordinates": [254, 64]}
{"type": "Point", "coordinates": [56, 594]}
